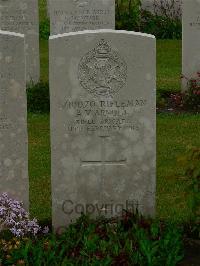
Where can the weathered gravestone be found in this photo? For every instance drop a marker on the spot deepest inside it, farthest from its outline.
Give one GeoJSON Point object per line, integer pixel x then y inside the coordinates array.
{"type": "Point", "coordinates": [22, 16]}
{"type": "Point", "coordinates": [102, 87]}
{"type": "Point", "coordinates": [190, 40]}
{"type": "Point", "coordinates": [13, 112]}
{"type": "Point", "coordinates": [77, 15]}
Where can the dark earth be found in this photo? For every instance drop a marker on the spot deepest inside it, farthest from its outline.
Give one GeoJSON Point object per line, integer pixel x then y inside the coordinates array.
{"type": "Point", "coordinates": [192, 253]}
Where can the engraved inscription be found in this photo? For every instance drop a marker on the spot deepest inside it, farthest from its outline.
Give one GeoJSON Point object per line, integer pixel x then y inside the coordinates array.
{"type": "Point", "coordinates": [102, 71]}
{"type": "Point", "coordinates": [4, 123]}
{"type": "Point", "coordinates": [15, 19]}
{"type": "Point", "coordinates": [102, 115]}
{"type": "Point", "coordinates": [195, 22]}
{"type": "Point", "coordinates": [83, 15]}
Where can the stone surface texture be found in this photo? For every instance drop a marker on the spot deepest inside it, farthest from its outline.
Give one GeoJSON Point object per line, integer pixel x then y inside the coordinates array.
{"type": "Point", "coordinates": [21, 16]}
{"type": "Point", "coordinates": [13, 118]}
{"type": "Point", "coordinates": [102, 87]}
{"type": "Point", "coordinates": [77, 15]}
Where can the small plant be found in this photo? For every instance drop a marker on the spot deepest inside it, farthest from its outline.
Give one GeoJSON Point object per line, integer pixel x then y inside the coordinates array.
{"type": "Point", "coordinates": [45, 29]}
{"type": "Point", "coordinates": [38, 97]}
{"type": "Point", "coordinates": [161, 26]}
{"type": "Point", "coordinates": [177, 100]}
{"type": "Point", "coordinates": [164, 23]}
{"type": "Point", "coordinates": [128, 240]}
{"type": "Point", "coordinates": [191, 97]}
{"type": "Point", "coordinates": [128, 15]}
{"type": "Point", "coordinates": [188, 100]}
{"type": "Point", "coordinates": [14, 218]}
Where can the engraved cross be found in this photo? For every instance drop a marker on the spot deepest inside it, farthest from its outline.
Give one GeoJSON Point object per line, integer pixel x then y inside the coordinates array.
{"type": "Point", "coordinates": [103, 162]}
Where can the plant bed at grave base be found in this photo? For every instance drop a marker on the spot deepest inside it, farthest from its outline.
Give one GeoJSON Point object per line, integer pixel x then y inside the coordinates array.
{"type": "Point", "coordinates": [178, 103]}
{"type": "Point", "coordinates": [182, 102]}
{"type": "Point", "coordinates": [15, 220]}
{"type": "Point", "coordinates": [127, 240]}
{"type": "Point", "coordinates": [192, 253]}
{"type": "Point", "coordinates": [191, 244]}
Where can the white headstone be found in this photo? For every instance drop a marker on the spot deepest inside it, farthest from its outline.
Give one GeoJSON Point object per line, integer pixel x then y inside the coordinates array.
{"type": "Point", "coordinates": [102, 87]}
{"type": "Point", "coordinates": [13, 118]}
{"type": "Point", "coordinates": [22, 16]}
{"type": "Point", "coordinates": [77, 15]}
{"type": "Point", "coordinates": [190, 40]}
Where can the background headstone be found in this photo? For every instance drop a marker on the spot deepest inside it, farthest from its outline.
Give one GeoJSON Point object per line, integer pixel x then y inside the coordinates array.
{"type": "Point", "coordinates": [22, 16]}
{"type": "Point", "coordinates": [190, 40]}
{"type": "Point", "coordinates": [102, 87]}
{"type": "Point", "coordinates": [77, 15]}
{"type": "Point", "coordinates": [13, 118]}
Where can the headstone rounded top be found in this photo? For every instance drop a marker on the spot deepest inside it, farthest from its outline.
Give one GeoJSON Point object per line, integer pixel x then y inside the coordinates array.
{"type": "Point", "coordinates": [102, 31]}
{"type": "Point", "coordinates": [2, 32]}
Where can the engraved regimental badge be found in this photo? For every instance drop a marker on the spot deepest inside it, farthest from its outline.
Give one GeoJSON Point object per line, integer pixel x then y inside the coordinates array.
{"type": "Point", "coordinates": [81, 3]}
{"type": "Point", "coordinates": [102, 71]}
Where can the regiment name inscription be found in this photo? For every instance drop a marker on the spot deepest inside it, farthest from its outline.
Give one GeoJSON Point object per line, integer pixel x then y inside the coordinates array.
{"type": "Point", "coordinates": [71, 16]}
{"type": "Point", "coordinates": [93, 116]}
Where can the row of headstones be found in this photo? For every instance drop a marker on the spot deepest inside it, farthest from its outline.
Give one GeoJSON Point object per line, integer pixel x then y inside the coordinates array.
{"type": "Point", "coordinates": [149, 5]}
{"type": "Point", "coordinates": [102, 87]}
{"type": "Point", "coordinates": [21, 16]}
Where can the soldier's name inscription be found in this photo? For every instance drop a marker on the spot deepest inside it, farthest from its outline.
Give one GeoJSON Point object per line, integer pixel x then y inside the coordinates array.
{"type": "Point", "coordinates": [102, 115]}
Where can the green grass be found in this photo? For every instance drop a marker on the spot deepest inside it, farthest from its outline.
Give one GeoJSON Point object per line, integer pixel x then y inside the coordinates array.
{"type": "Point", "coordinates": [174, 135]}
{"type": "Point", "coordinates": [168, 65]}
{"type": "Point", "coordinates": [39, 166]}
{"type": "Point", "coordinates": [44, 60]}
{"type": "Point", "coordinates": [42, 9]}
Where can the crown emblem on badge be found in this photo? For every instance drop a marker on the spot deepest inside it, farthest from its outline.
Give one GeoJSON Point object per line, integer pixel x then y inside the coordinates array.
{"type": "Point", "coordinates": [81, 3]}
{"type": "Point", "coordinates": [103, 49]}
{"type": "Point", "coordinates": [102, 71]}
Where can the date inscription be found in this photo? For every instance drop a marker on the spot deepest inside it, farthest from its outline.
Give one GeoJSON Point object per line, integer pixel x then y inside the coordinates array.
{"type": "Point", "coordinates": [97, 116]}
